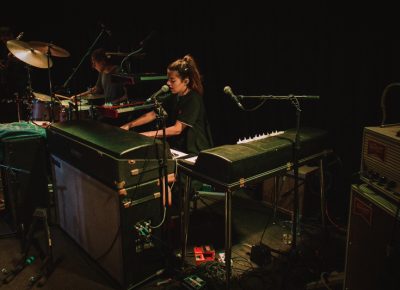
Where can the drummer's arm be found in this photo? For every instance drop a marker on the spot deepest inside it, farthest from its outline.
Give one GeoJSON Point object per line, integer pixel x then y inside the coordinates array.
{"type": "Point", "coordinates": [85, 93]}
{"type": "Point", "coordinates": [120, 100]}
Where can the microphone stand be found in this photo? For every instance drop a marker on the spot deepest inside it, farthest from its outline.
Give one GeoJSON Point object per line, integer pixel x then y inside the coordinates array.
{"type": "Point", "coordinates": [161, 116]}
{"type": "Point", "coordinates": [295, 155]}
{"type": "Point", "coordinates": [74, 70]}
{"type": "Point", "coordinates": [296, 151]}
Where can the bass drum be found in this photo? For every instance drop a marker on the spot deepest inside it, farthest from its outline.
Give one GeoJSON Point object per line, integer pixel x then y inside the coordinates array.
{"type": "Point", "coordinates": [41, 110]}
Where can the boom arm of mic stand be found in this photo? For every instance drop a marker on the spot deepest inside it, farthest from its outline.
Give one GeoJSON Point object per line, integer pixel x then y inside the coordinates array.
{"type": "Point", "coordinates": [128, 56]}
{"type": "Point", "coordinates": [82, 59]}
{"type": "Point", "coordinates": [272, 97]}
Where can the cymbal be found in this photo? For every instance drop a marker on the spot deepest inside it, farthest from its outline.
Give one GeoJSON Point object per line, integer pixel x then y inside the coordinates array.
{"type": "Point", "coordinates": [24, 52]}
{"type": "Point", "coordinates": [41, 97]}
{"type": "Point", "coordinates": [54, 50]}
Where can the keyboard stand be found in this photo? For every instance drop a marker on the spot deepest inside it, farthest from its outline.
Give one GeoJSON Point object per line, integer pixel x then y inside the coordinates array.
{"type": "Point", "coordinates": [188, 170]}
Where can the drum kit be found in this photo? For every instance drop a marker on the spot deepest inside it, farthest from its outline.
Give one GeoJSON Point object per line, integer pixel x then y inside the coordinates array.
{"type": "Point", "coordinates": [53, 107]}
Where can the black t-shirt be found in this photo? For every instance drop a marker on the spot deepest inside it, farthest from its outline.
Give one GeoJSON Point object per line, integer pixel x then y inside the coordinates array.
{"type": "Point", "coordinates": [112, 90]}
{"type": "Point", "coordinates": [190, 110]}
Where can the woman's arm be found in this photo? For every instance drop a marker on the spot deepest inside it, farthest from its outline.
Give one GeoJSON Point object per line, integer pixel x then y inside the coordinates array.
{"type": "Point", "coordinates": [144, 119]}
{"type": "Point", "coordinates": [174, 130]}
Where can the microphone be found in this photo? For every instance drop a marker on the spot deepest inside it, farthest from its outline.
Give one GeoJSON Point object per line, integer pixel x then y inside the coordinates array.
{"type": "Point", "coordinates": [106, 30]}
{"type": "Point", "coordinates": [228, 91]}
{"type": "Point", "coordinates": [150, 37]}
{"type": "Point", "coordinates": [20, 35]}
{"type": "Point", "coordinates": [164, 89]}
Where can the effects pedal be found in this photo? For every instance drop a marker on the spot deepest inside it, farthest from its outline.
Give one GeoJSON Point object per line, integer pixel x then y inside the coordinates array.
{"type": "Point", "coordinates": [193, 282]}
{"type": "Point", "coordinates": [203, 254]}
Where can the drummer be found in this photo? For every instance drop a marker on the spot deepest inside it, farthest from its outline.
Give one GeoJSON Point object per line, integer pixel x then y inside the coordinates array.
{"type": "Point", "coordinates": [114, 93]}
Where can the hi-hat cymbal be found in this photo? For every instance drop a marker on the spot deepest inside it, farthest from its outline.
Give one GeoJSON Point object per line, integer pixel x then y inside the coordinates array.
{"type": "Point", "coordinates": [45, 47]}
{"type": "Point", "coordinates": [24, 52]}
{"type": "Point", "coordinates": [41, 97]}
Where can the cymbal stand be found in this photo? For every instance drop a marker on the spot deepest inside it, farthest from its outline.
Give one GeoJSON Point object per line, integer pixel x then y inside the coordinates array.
{"type": "Point", "coordinates": [74, 70]}
{"type": "Point", "coordinates": [29, 91]}
{"type": "Point", "coordinates": [18, 100]}
{"type": "Point", "coordinates": [52, 96]}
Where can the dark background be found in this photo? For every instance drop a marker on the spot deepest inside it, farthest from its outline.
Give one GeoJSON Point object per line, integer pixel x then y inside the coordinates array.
{"type": "Point", "coordinates": [345, 55]}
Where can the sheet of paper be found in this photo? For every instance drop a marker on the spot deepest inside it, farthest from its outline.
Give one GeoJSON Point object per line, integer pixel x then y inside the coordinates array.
{"type": "Point", "coordinates": [192, 159]}
{"type": "Point", "coordinates": [177, 154]}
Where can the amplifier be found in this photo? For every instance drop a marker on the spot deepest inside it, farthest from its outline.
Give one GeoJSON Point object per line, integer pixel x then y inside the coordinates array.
{"type": "Point", "coordinates": [380, 159]}
{"type": "Point", "coordinates": [24, 179]}
{"type": "Point", "coordinates": [373, 247]}
{"type": "Point", "coordinates": [119, 238]}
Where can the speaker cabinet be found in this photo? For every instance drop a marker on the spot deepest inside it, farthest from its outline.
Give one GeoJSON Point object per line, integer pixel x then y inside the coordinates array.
{"type": "Point", "coordinates": [373, 249]}
{"type": "Point", "coordinates": [105, 222]}
{"type": "Point", "coordinates": [24, 176]}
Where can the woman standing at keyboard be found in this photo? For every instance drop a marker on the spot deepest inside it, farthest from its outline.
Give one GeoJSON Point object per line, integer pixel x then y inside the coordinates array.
{"type": "Point", "coordinates": [187, 127]}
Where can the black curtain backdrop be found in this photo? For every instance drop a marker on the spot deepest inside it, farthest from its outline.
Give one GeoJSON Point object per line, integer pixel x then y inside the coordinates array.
{"type": "Point", "coordinates": [345, 55]}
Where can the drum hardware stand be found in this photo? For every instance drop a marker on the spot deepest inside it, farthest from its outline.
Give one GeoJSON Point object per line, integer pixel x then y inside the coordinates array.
{"type": "Point", "coordinates": [29, 91]}
{"type": "Point", "coordinates": [76, 106]}
{"type": "Point", "coordinates": [52, 95]}
{"type": "Point", "coordinates": [18, 100]}
{"type": "Point", "coordinates": [48, 264]}
{"type": "Point", "coordinates": [70, 111]}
